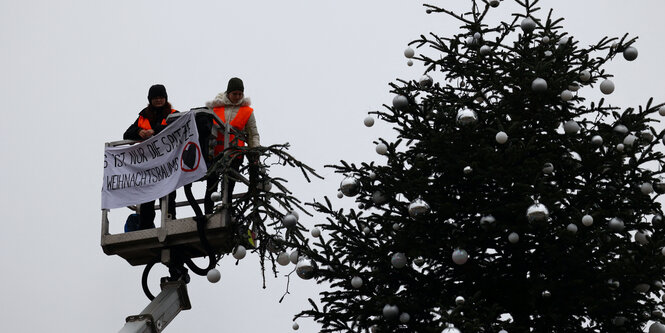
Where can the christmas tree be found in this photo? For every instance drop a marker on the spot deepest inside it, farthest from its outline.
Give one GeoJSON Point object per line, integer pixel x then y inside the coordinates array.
{"type": "Point", "coordinates": [508, 202]}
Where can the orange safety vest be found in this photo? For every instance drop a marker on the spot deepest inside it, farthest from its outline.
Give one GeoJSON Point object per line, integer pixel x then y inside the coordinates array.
{"type": "Point", "coordinates": [144, 123]}
{"type": "Point", "coordinates": [238, 122]}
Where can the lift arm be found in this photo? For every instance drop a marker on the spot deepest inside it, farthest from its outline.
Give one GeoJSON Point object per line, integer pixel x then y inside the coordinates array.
{"type": "Point", "coordinates": [161, 311]}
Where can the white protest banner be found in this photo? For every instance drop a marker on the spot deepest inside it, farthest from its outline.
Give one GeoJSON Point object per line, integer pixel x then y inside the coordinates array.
{"type": "Point", "coordinates": [155, 167]}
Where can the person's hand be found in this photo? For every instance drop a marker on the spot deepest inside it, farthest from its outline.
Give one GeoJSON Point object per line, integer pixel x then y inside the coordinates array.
{"type": "Point", "coordinates": [144, 134]}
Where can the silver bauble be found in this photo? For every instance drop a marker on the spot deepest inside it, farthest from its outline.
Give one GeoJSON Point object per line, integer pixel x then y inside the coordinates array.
{"type": "Point", "coordinates": [451, 329]}
{"type": "Point", "coordinates": [293, 257]}
{"type": "Point", "coordinates": [621, 147]}
{"type": "Point", "coordinates": [513, 237]}
{"type": "Point", "coordinates": [646, 188]}
{"type": "Point", "coordinates": [585, 75]}
{"type": "Point", "coordinates": [459, 300]}
{"type": "Point", "coordinates": [366, 231]}
{"type": "Point", "coordinates": [485, 50]}
{"type": "Point", "coordinates": [369, 121]}
{"type": "Point", "coordinates": [400, 102]}
{"type": "Point", "coordinates": [409, 52]}
{"type": "Point", "coordinates": [477, 35]}
{"type": "Point", "coordinates": [398, 260]}
{"type": "Point", "coordinates": [657, 327]}
{"type": "Point", "coordinates": [572, 228]}
{"type": "Point", "coordinates": [356, 282]}
{"type": "Point", "coordinates": [349, 186]}
{"type": "Point", "coordinates": [501, 137]}
{"type": "Point", "coordinates": [460, 256]}
{"type": "Point", "coordinates": [571, 127]}
{"type": "Point", "coordinates": [528, 24]}
{"type": "Point", "coordinates": [548, 53]}
{"type": "Point", "coordinates": [587, 220]}
{"type": "Point", "coordinates": [316, 232]}
{"type": "Point", "coordinates": [616, 224]}
{"type": "Point", "coordinates": [404, 318]}
{"type": "Point", "coordinates": [239, 252]}
{"type": "Point", "coordinates": [289, 220]}
{"type": "Point", "coordinates": [381, 149]}
{"type": "Point", "coordinates": [641, 237]}
{"type": "Point", "coordinates": [607, 87]}
{"type": "Point", "coordinates": [621, 129]}
{"type": "Point", "coordinates": [548, 168]}
{"type": "Point", "coordinates": [419, 261]}
{"type": "Point", "coordinates": [629, 140]}
{"type": "Point", "coordinates": [283, 259]}
{"type": "Point", "coordinates": [539, 84]}
{"type": "Point", "coordinates": [390, 311]}
{"type": "Point", "coordinates": [630, 53]}
{"type": "Point", "coordinates": [597, 140]}
{"type": "Point", "coordinates": [468, 170]}
{"type": "Point", "coordinates": [409, 62]}
{"type": "Point", "coordinates": [537, 212]}
{"type": "Point", "coordinates": [216, 196]}
{"type": "Point", "coordinates": [418, 207]}
{"type": "Point", "coordinates": [425, 81]}
{"type": "Point", "coordinates": [295, 326]}
{"type": "Point", "coordinates": [214, 275]}
{"type": "Point", "coordinates": [466, 117]}
{"type": "Point", "coordinates": [275, 244]}
{"type": "Point", "coordinates": [646, 135]}
{"type": "Point", "coordinates": [340, 194]}
{"type": "Point", "coordinates": [306, 268]}
{"type": "Point", "coordinates": [566, 95]}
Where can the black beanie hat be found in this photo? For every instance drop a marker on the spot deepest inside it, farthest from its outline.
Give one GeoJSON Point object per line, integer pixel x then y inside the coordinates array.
{"type": "Point", "coordinates": [235, 84]}
{"type": "Point", "coordinates": [157, 90]}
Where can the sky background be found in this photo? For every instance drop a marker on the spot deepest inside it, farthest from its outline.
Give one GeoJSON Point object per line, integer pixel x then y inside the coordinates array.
{"type": "Point", "coordinates": [74, 74]}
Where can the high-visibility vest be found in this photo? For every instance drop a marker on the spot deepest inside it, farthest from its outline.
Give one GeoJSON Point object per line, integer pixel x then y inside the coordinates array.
{"type": "Point", "coordinates": [144, 123]}
{"type": "Point", "coordinates": [238, 122]}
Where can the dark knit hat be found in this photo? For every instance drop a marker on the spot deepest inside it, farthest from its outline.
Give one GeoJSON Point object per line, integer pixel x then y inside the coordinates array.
{"type": "Point", "coordinates": [235, 84]}
{"type": "Point", "coordinates": [157, 90]}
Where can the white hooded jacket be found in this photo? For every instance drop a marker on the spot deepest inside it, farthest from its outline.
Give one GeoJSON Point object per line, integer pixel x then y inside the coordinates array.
{"type": "Point", "coordinates": [230, 111]}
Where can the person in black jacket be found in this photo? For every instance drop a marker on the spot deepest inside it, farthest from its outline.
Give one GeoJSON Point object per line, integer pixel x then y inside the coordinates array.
{"type": "Point", "coordinates": [152, 120]}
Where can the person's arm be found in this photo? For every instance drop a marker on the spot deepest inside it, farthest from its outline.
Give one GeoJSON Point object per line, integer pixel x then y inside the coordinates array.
{"type": "Point", "coordinates": [132, 133]}
{"type": "Point", "coordinates": [254, 140]}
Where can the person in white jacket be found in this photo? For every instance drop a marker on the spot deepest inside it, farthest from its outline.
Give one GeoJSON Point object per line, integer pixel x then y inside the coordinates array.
{"type": "Point", "coordinates": [233, 108]}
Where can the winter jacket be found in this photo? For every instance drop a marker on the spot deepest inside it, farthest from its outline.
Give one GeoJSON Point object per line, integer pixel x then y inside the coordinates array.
{"type": "Point", "coordinates": [143, 122]}
{"type": "Point", "coordinates": [230, 112]}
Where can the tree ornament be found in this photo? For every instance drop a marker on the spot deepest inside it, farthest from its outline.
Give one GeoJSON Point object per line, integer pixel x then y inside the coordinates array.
{"type": "Point", "coordinates": [397, 226]}
{"type": "Point", "coordinates": [398, 260]}
{"type": "Point", "coordinates": [630, 53]}
{"type": "Point", "coordinates": [548, 53]}
{"type": "Point", "coordinates": [621, 129]}
{"type": "Point", "coordinates": [460, 256]}
{"type": "Point", "coordinates": [528, 25]}
{"type": "Point", "coordinates": [563, 41]}
{"type": "Point", "coordinates": [451, 329]}
{"type": "Point", "coordinates": [239, 252]}
{"type": "Point", "coordinates": [381, 149]}
{"type": "Point", "coordinates": [369, 121]}
{"type": "Point", "coordinates": [306, 268]}
{"type": "Point", "coordinates": [513, 237]}
{"type": "Point", "coordinates": [404, 318]}
{"type": "Point", "coordinates": [295, 326]}
{"type": "Point", "coordinates": [646, 135]}
{"type": "Point", "coordinates": [571, 127]}
{"type": "Point", "coordinates": [283, 259]}
{"type": "Point", "coordinates": [566, 95]}
{"type": "Point", "coordinates": [545, 40]}
{"type": "Point", "coordinates": [409, 52]}
{"type": "Point", "coordinates": [621, 147]}
{"type": "Point", "coordinates": [646, 188]}
{"type": "Point", "coordinates": [587, 220]}
{"type": "Point", "coordinates": [366, 231]}
{"type": "Point", "coordinates": [340, 194]}
{"type": "Point", "coordinates": [293, 257]}
{"type": "Point", "coordinates": [289, 220]}
{"type": "Point", "coordinates": [409, 62]}
{"type": "Point", "coordinates": [641, 237]}
{"type": "Point", "coordinates": [585, 75]}
{"type": "Point", "coordinates": [400, 102]}
{"type": "Point", "coordinates": [572, 228]}
{"type": "Point", "coordinates": [485, 50]}
{"type": "Point", "coordinates": [378, 198]}
{"type": "Point", "coordinates": [546, 294]}
{"type": "Point", "coordinates": [466, 117]}
{"type": "Point", "coordinates": [356, 282]}
{"type": "Point", "coordinates": [425, 81]}
{"type": "Point", "coordinates": [539, 85]}
{"type": "Point", "coordinates": [548, 168]}
{"type": "Point", "coordinates": [214, 275]}
{"type": "Point", "coordinates": [390, 311]}
{"type": "Point", "coordinates": [661, 110]}
{"type": "Point", "coordinates": [349, 186]}
{"type": "Point", "coordinates": [487, 220]}
{"type": "Point", "coordinates": [537, 212]}
{"type": "Point", "coordinates": [574, 86]}
{"type": "Point", "coordinates": [216, 196]}
{"type": "Point", "coordinates": [607, 87]}
{"type": "Point", "coordinates": [418, 207]}
{"type": "Point", "coordinates": [468, 170]}
{"type": "Point", "coordinates": [459, 300]}
{"type": "Point", "coordinates": [494, 3]}
{"type": "Point", "coordinates": [477, 36]}
{"type": "Point", "coordinates": [657, 327]}
{"type": "Point", "coordinates": [419, 261]}
{"type": "Point", "coordinates": [275, 244]}
{"type": "Point", "coordinates": [597, 140]}
{"type": "Point", "coordinates": [616, 224]}
{"type": "Point", "coordinates": [501, 137]}
{"type": "Point", "coordinates": [629, 140]}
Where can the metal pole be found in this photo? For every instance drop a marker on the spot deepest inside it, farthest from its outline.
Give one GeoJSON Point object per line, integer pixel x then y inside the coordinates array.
{"type": "Point", "coordinates": [161, 311]}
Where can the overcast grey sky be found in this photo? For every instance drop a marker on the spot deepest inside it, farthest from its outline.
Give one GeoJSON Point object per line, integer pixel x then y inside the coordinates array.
{"type": "Point", "coordinates": [74, 74]}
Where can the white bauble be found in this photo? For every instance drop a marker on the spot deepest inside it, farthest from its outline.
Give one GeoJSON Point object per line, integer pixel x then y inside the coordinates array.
{"type": "Point", "coordinates": [646, 188]}
{"type": "Point", "coordinates": [528, 24]}
{"type": "Point", "coordinates": [539, 84]}
{"type": "Point", "coordinates": [381, 149]}
{"type": "Point", "coordinates": [563, 41]}
{"type": "Point", "coordinates": [485, 50]}
{"type": "Point", "coordinates": [477, 36]}
{"type": "Point", "coordinates": [566, 95]}
{"type": "Point", "coordinates": [630, 53]}
{"type": "Point", "coordinates": [409, 52]}
{"type": "Point", "coordinates": [356, 282]}
{"type": "Point", "coordinates": [366, 231]}
{"type": "Point", "coordinates": [585, 75]}
{"type": "Point", "coordinates": [293, 257]}
{"type": "Point", "coordinates": [316, 232]}
{"type": "Point", "coordinates": [400, 102]}
{"type": "Point", "coordinates": [460, 256]}
{"type": "Point", "coordinates": [616, 224]}
{"type": "Point", "coordinates": [622, 129]}
{"type": "Point", "coordinates": [468, 170]}
{"type": "Point", "coordinates": [597, 140]}
{"type": "Point", "coordinates": [513, 237]}
{"type": "Point", "coordinates": [369, 121]}
{"type": "Point", "coordinates": [571, 127]}
{"type": "Point", "coordinates": [451, 329]}
{"type": "Point", "coordinates": [629, 140]}
{"type": "Point", "coordinates": [620, 147]}
{"type": "Point", "coordinates": [398, 260]}
{"type": "Point", "coordinates": [239, 252]}
{"type": "Point", "coordinates": [501, 137]}
{"type": "Point", "coordinates": [572, 228]}
{"type": "Point", "coordinates": [548, 53]}
{"type": "Point", "coordinates": [537, 212]}
{"type": "Point", "coordinates": [466, 117]}
{"type": "Point", "coordinates": [657, 327]}
{"type": "Point", "coordinates": [607, 87]}
{"type": "Point", "coordinates": [587, 220]}
{"type": "Point", "coordinates": [390, 311]}
{"type": "Point", "coordinates": [289, 220]}
{"type": "Point", "coordinates": [404, 318]}
{"type": "Point", "coordinates": [575, 86]}
{"type": "Point", "coordinates": [418, 207]}
{"type": "Point", "coordinates": [283, 259]}
{"type": "Point", "coordinates": [459, 300]}
{"type": "Point", "coordinates": [545, 40]}
{"type": "Point", "coordinates": [214, 275]}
